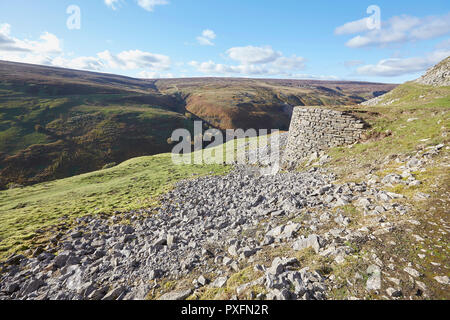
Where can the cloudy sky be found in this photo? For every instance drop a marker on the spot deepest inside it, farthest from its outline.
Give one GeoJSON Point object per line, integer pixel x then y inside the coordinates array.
{"type": "Point", "coordinates": [238, 38]}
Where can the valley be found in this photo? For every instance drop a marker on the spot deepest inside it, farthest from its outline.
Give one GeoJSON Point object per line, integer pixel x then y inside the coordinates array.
{"type": "Point", "coordinates": [57, 123]}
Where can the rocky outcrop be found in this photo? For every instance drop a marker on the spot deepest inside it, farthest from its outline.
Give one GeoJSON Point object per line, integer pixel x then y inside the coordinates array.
{"type": "Point", "coordinates": [437, 76]}
{"type": "Point", "coordinates": [317, 129]}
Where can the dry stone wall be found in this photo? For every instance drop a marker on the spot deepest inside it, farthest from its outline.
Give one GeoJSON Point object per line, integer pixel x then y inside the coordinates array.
{"type": "Point", "coordinates": [317, 129]}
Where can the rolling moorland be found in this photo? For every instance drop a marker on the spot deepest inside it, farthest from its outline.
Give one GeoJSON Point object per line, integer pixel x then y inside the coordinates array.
{"type": "Point", "coordinates": [365, 221]}
{"type": "Point", "coordinates": [57, 123]}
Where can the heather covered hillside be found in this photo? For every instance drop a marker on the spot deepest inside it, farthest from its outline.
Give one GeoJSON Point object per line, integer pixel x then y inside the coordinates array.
{"type": "Point", "coordinates": [56, 122]}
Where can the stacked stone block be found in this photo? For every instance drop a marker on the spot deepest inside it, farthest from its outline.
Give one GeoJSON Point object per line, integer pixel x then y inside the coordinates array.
{"type": "Point", "coordinates": [317, 129]}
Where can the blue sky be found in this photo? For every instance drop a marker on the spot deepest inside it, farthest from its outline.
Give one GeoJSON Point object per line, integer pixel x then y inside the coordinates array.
{"type": "Point", "coordinates": [237, 38]}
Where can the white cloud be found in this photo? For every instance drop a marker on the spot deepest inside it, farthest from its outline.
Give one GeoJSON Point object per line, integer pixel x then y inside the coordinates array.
{"type": "Point", "coordinates": [125, 60]}
{"type": "Point", "coordinates": [112, 3]}
{"type": "Point", "coordinates": [154, 75]}
{"type": "Point", "coordinates": [394, 67]}
{"type": "Point", "coordinates": [207, 37]}
{"type": "Point", "coordinates": [5, 38]}
{"type": "Point", "coordinates": [150, 5]}
{"type": "Point", "coordinates": [353, 27]}
{"type": "Point", "coordinates": [290, 63]}
{"type": "Point", "coordinates": [135, 59]}
{"type": "Point", "coordinates": [253, 55]}
{"type": "Point", "coordinates": [432, 27]}
{"type": "Point", "coordinates": [260, 61]}
{"type": "Point", "coordinates": [397, 29]}
{"type": "Point", "coordinates": [80, 63]}
{"type": "Point", "coordinates": [211, 67]}
{"type": "Point", "coordinates": [47, 44]}
{"type": "Point", "coordinates": [47, 51]}
{"type": "Point", "coordinates": [313, 77]}
{"type": "Point", "coordinates": [39, 51]}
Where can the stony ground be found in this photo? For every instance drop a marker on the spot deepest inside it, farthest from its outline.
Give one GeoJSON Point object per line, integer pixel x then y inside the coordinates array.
{"type": "Point", "coordinates": [250, 234]}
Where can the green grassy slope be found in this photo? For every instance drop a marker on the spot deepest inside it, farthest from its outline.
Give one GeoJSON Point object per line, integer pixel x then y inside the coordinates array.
{"type": "Point", "coordinates": [411, 116]}
{"type": "Point", "coordinates": [407, 122]}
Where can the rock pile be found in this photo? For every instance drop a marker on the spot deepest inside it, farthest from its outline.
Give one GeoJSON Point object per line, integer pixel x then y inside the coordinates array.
{"type": "Point", "coordinates": [105, 258]}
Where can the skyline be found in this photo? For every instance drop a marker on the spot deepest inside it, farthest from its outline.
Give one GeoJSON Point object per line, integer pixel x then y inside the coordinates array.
{"type": "Point", "coordinates": [160, 38]}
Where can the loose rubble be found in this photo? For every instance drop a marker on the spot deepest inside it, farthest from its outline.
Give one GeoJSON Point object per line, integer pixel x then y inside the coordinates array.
{"type": "Point", "coordinates": [214, 226]}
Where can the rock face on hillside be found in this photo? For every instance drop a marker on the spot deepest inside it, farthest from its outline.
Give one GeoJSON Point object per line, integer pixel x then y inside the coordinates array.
{"type": "Point", "coordinates": [438, 76]}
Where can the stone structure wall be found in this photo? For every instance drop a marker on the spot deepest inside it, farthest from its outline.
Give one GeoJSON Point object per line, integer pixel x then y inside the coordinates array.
{"type": "Point", "coordinates": [317, 129]}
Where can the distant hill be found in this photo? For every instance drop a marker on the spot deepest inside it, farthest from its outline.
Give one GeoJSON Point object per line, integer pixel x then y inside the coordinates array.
{"type": "Point", "coordinates": [263, 103]}
{"type": "Point", "coordinates": [56, 122]}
